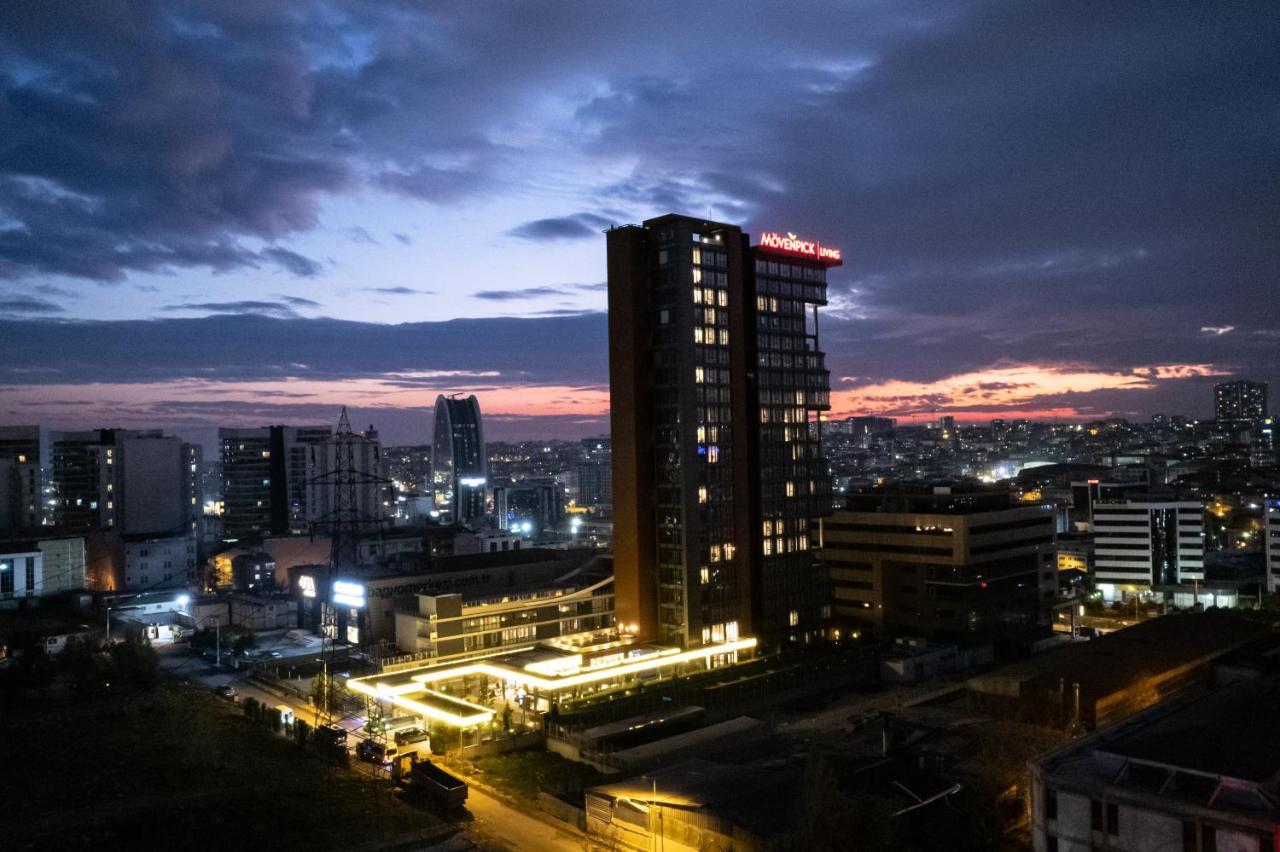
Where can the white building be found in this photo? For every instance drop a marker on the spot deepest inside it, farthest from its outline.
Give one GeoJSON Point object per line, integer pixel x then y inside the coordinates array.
{"type": "Point", "coordinates": [159, 562]}
{"type": "Point", "coordinates": [1140, 546]}
{"type": "Point", "coordinates": [40, 568]}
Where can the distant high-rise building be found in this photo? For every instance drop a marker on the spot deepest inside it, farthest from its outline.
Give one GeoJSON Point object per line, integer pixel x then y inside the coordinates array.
{"type": "Point", "coordinates": [20, 479]}
{"type": "Point", "coordinates": [861, 426]}
{"type": "Point", "coordinates": [595, 472]}
{"type": "Point", "coordinates": [716, 384]}
{"type": "Point", "coordinates": [1240, 400]}
{"type": "Point", "coordinates": [265, 475]}
{"type": "Point", "coordinates": [529, 507]}
{"type": "Point", "coordinates": [1143, 545]}
{"type": "Point", "coordinates": [459, 470]}
{"type": "Point", "coordinates": [129, 482]}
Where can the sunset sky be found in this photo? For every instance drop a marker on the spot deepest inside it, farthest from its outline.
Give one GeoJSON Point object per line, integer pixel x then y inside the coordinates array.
{"type": "Point", "coordinates": [248, 213]}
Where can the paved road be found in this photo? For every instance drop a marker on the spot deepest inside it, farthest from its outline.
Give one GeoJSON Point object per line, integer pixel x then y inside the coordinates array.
{"type": "Point", "coordinates": [500, 823]}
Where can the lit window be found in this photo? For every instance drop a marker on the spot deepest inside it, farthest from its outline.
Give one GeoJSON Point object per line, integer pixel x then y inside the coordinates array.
{"type": "Point", "coordinates": [715, 553]}
{"type": "Point", "coordinates": [724, 298]}
{"type": "Point", "coordinates": [697, 295]}
{"type": "Point", "coordinates": [768, 547]}
{"type": "Point", "coordinates": [728, 552]}
{"type": "Point", "coordinates": [699, 375]}
{"type": "Point", "coordinates": [702, 434]}
{"type": "Point", "coordinates": [704, 575]}
{"type": "Point", "coordinates": [702, 493]}
{"type": "Point", "coordinates": [768, 527]}
{"type": "Point", "coordinates": [793, 617]}
{"type": "Point", "coordinates": [697, 275]}
{"type": "Point", "coordinates": [713, 454]}
{"type": "Point", "coordinates": [791, 488]}
{"type": "Point", "coordinates": [724, 337]}
{"type": "Point", "coordinates": [697, 334]}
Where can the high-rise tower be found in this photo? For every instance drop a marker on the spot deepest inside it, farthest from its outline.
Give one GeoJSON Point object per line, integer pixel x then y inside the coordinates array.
{"type": "Point", "coordinates": [459, 472]}
{"type": "Point", "coordinates": [716, 382]}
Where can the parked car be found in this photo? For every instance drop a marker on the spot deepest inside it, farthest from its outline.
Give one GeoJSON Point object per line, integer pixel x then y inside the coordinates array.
{"type": "Point", "coordinates": [228, 692]}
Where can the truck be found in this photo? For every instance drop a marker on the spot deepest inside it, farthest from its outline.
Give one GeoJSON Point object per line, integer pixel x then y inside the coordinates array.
{"type": "Point", "coordinates": [414, 743]}
{"type": "Point", "coordinates": [436, 784]}
{"type": "Point", "coordinates": [331, 741]}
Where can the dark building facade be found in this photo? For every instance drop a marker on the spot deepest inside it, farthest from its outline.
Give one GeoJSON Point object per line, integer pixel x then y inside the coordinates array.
{"type": "Point", "coordinates": [537, 503]}
{"type": "Point", "coordinates": [265, 474]}
{"type": "Point", "coordinates": [459, 469]}
{"type": "Point", "coordinates": [1240, 400]}
{"type": "Point", "coordinates": [131, 482]}
{"type": "Point", "coordinates": [716, 382]}
{"type": "Point", "coordinates": [21, 505]}
{"type": "Point", "coordinates": [954, 567]}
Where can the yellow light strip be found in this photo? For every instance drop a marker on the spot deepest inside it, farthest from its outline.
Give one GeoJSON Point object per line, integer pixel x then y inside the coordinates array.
{"type": "Point", "coordinates": [670, 657]}
{"type": "Point", "coordinates": [395, 694]}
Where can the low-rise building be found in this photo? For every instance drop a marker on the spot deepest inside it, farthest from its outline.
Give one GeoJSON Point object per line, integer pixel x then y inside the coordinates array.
{"type": "Point", "coordinates": [260, 612]}
{"type": "Point", "coordinates": [159, 562]}
{"type": "Point", "coordinates": [1112, 677]}
{"type": "Point", "coordinates": [454, 625]}
{"type": "Point", "coordinates": [31, 569]}
{"type": "Point", "coordinates": [1197, 774]}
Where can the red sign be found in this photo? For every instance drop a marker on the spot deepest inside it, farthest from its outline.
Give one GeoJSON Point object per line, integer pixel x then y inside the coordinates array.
{"type": "Point", "coordinates": [793, 245]}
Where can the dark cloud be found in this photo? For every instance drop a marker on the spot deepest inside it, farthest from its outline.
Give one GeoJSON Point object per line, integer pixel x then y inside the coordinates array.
{"type": "Point", "coordinates": [1011, 181]}
{"type": "Point", "coordinates": [254, 341]}
{"type": "Point", "coordinates": [577, 226]}
{"type": "Point", "coordinates": [293, 262]}
{"type": "Point", "coordinates": [525, 293]}
{"type": "Point", "coordinates": [28, 305]}
{"type": "Point", "coordinates": [398, 291]}
{"type": "Point", "coordinates": [283, 308]}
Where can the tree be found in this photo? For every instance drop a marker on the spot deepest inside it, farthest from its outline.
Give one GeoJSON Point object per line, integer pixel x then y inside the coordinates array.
{"type": "Point", "coordinates": [244, 642]}
{"type": "Point", "coordinates": [134, 662]}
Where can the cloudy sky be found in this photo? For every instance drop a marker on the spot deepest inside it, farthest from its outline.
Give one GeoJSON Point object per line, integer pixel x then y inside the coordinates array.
{"type": "Point", "coordinates": [242, 213]}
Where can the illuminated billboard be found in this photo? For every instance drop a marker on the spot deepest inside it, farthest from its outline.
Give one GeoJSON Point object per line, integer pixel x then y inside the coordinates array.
{"type": "Point", "coordinates": [794, 246]}
{"type": "Point", "coordinates": [348, 593]}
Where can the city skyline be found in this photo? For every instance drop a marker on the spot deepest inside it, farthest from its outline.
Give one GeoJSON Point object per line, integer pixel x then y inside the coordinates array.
{"type": "Point", "coordinates": [1045, 213]}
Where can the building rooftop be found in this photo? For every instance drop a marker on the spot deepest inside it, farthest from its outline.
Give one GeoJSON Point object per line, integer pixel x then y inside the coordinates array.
{"type": "Point", "coordinates": [929, 503]}
{"type": "Point", "coordinates": [753, 798]}
{"type": "Point", "coordinates": [1119, 660]}
{"type": "Point", "coordinates": [1246, 739]}
{"type": "Point", "coordinates": [1220, 750]}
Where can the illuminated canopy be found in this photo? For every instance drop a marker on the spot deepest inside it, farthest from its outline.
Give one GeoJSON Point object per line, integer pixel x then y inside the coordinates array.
{"type": "Point", "coordinates": [411, 690]}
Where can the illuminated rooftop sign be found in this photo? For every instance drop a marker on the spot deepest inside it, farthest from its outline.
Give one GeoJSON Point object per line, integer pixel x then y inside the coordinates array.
{"type": "Point", "coordinates": [347, 593]}
{"type": "Point", "coordinates": [798, 247]}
